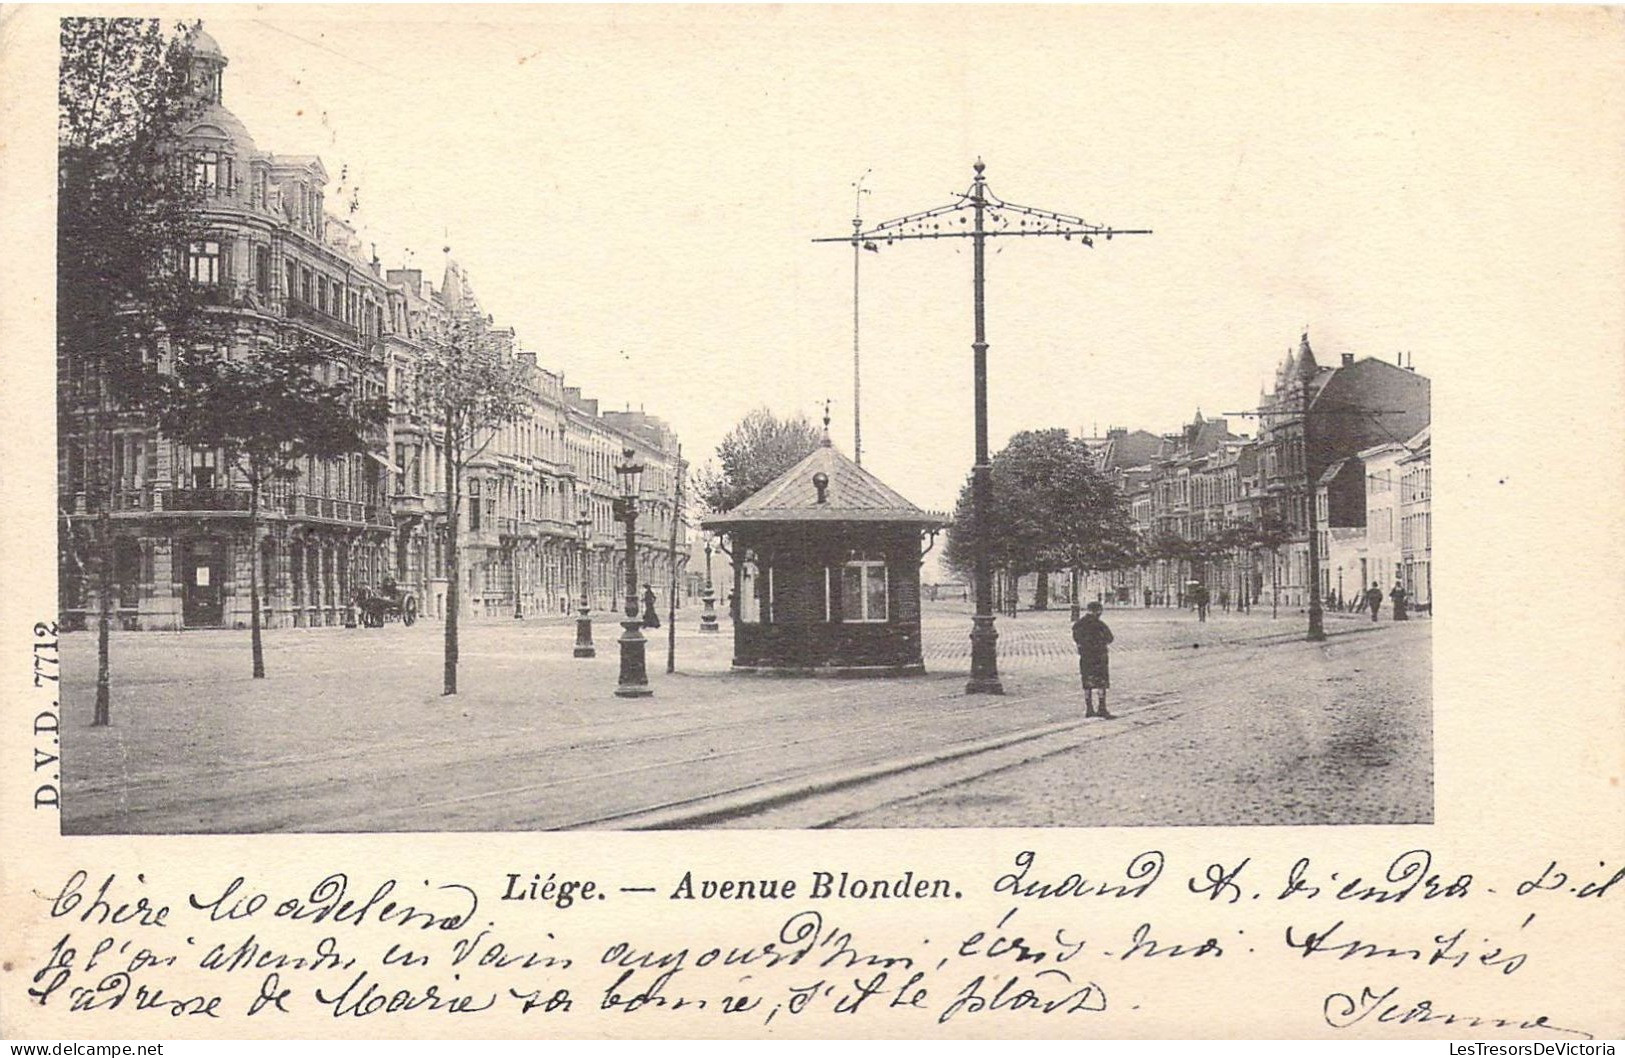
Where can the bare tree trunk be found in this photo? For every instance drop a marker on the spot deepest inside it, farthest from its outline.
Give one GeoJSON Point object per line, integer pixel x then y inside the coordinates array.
{"type": "Point", "coordinates": [1041, 592]}
{"type": "Point", "coordinates": [255, 645]}
{"type": "Point", "coordinates": [454, 572]}
{"type": "Point", "coordinates": [104, 618]}
{"type": "Point", "coordinates": [1077, 587]}
{"type": "Point", "coordinates": [103, 441]}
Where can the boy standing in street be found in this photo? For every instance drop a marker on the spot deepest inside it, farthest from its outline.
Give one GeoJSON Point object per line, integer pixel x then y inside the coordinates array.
{"type": "Point", "coordinates": [1093, 638]}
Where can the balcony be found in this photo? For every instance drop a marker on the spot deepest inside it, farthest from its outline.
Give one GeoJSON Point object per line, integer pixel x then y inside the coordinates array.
{"type": "Point", "coordinates": [205, 500]}
{"type": "Point", "coordinates": [328, 509]}
{"type": "Point", "coordinates": [330, 325]}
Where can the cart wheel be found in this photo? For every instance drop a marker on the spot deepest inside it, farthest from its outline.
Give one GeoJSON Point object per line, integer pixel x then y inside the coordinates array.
{"type": "Point", "coordinates": [409, 611]}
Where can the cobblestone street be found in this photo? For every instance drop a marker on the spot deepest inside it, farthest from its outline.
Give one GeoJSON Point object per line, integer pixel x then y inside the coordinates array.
{"type": "Point", "coordinates": [1232, 721]}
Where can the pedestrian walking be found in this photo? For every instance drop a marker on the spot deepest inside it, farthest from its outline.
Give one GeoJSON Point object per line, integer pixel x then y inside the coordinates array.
{"type": "Point", "coordinates": [1224, 599]}
{"type": "Point", "coordinates": [1199, 595]}
{"type": "Point", "coordinates": [651, 619]}
{"type": "Point", "coordinates": [1401, 612]}
{"type": "Point", "coordinates": [1148, 598]}
{"type": "Point", "coordinates": [1093, 638]}
{"type": "Point", "coordinates": [1373, 599]}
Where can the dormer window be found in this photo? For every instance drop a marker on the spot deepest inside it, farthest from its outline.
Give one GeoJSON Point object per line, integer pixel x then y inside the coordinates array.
{"type": "Point", "coordinates": [206, 170]}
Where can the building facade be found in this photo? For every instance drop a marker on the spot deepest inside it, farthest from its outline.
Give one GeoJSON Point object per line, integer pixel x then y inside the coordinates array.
{"type": "Point", "coordinates": [1232, 512]}
{"type": "Point", "coordinates": [274, 262]}
{"type": "Point", "coordinates": [1416, 518]}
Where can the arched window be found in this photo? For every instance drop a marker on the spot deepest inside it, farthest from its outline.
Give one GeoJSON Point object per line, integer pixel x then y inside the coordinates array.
{"type": "Point", "coordinates": [752, 587]}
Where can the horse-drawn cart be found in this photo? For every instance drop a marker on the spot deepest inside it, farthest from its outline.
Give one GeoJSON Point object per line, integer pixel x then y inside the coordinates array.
{"type": "Point", "coordinates": [386, 604]}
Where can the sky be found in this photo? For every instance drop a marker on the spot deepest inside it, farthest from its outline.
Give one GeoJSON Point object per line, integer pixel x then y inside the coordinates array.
{"type": "Point", "coordinates": [635, 190]}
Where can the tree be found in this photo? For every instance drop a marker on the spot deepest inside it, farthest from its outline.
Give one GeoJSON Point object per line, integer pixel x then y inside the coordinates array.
{"type": "Point", "coordinates": [1269, 533]}
{"type": "Point", "coordinates": [1165, 546]}
{"type": "Point", "coordinates": [125, 214]}
{"type": "Point", "coordinates": [1009, 542]}
{"type": "Point", "coordinates": [471, 390]}
{"type": "Point", "coordinates": [266, 410]}
{"type": "Point", "coordinates": [1240, 539]}
{"type": "Point", "coordinates": [757, 450]}
{"type": "Point", "coordinates": [1052, 510]}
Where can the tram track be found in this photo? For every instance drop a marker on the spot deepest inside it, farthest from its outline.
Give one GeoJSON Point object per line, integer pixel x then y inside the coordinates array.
{"type": "Point", "coordinates": [784, 776]}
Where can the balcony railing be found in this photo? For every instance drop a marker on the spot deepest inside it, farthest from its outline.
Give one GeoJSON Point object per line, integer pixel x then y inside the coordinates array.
{"type": "Point", "coordinates": [205, 500]}
{"type": "Point", "coordinates": [299, 310]}
{"type": "Point", "coordinates": [329, 509]}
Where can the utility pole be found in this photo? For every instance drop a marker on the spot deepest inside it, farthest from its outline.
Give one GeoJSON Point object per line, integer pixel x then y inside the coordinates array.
{"type": "Point", "coordinates": [1311, 494]}
{"type": "Point", "coordinates": [858, 191]}
{"type": "Point", "coordinates": [1307, 370]}
{"type": "Point", "coordinates": [979, 215]}
{"type": "Point", "coordinates": [671, 612]}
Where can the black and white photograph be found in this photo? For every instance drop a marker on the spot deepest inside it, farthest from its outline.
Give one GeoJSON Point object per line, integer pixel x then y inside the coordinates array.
{"type": "Point", "coordinates": [543, 522]}
{"type": "Point", "coordinates": [497, 447]}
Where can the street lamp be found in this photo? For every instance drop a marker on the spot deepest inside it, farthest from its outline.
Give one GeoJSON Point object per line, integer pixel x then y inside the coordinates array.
{"type": "Point", "coordinates": [708, 616]}
{"type": "Point", "coordinates": [584, 647]}
{"type": "Point", "coordinates": [634, 681]}
{"type": "Point", "coordinates": [989, 217]}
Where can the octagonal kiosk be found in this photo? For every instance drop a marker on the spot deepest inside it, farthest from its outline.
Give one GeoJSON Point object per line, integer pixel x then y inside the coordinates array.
{"type": "Point", "coordinates": [826, 565]}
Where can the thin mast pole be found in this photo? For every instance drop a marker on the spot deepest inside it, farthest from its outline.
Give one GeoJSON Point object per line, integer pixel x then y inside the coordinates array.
{"type": "Point", "coordinates": [857, 383]}
{"type": "Point", "coordinates": [857, 379]}
{"type": "Point", "coordinates": [671, 612]}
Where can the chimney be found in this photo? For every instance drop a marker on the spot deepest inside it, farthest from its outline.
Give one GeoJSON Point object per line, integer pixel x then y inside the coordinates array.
{"type": "Point", "coordinates": [1348, 359]}
{"type": "Point", "coordinates": [1399, 359]}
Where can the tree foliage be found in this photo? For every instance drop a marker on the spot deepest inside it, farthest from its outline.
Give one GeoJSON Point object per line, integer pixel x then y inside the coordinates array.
{"type": "Point", "coordinates": [268, 409]}
{"type": "Point", "coordinates": [469, 387]}
{"type": "Point", "coordinates": [1051, 510]}
{"type": "Point", "coordinates": [265, 410]}
{"type": "Point", "coordinates": [757, 450]}
{"type": "Point", "coordinates": [125, 215]}
{"type": "Point", "coordinates": [1269, 533]}
{"type": "Point", "coordinates": [126, 206]}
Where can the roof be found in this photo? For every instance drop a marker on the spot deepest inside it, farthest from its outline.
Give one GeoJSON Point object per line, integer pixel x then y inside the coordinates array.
{"type": "Point", "coordinates": [205, 45]}
{"type": "Point", "coordinates": [1420, 445]}
{"type": "Point", "coordinates": [851, 495]}
{"type": "Point", "coordinates": [1365, 455]}
{"type": "Point", "coordinates": [1130, 449]}
{"type": "Point", "coordinates": [215, 121]}
{"type": "Point", "coordinates": [1331, 472]}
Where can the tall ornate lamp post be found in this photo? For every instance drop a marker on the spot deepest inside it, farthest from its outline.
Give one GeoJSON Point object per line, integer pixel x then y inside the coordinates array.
{"type": "Point", "coordinates": [708, 616]}
{"type": "Point", "coordinates": [980, 215]}
{"type": "Point", "coordinates": [584, 647]}
{"type": "Point", "coordinates": [634, 681]}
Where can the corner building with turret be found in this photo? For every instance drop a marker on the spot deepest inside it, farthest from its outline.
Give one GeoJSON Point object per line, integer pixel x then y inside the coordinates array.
{"type": "Point", "coordinates": [273, 260]}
